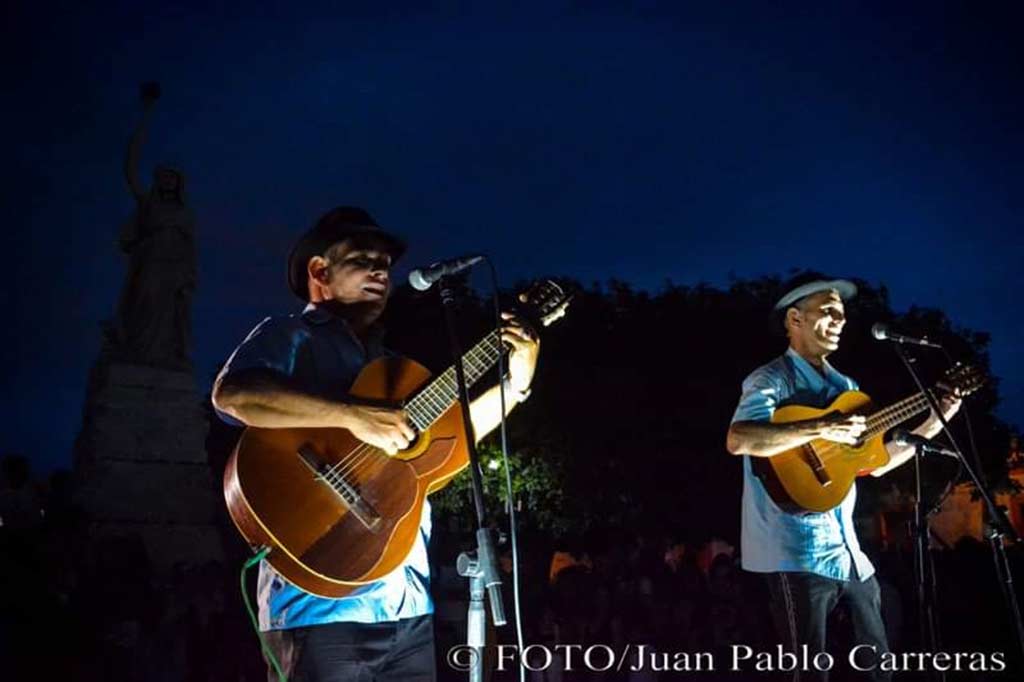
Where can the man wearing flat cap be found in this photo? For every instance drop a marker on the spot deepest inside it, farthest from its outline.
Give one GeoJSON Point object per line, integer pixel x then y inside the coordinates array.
{"type": "Point", "coordinates": [294, 371]}
{"type": "Point", "coordinates": [812, 561]}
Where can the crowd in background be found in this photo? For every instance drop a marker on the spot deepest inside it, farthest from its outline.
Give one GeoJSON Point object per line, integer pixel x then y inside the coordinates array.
{"type": "Point", "coordinates": [99, 612]}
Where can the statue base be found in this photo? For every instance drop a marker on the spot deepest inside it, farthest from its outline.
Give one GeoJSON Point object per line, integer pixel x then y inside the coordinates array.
{"type": "Point", "coordinates": [141, 465]}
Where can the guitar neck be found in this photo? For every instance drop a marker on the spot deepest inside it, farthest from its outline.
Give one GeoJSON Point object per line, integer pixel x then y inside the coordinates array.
{"type": "Point", "coordinates": [435, 398]}
{"type": "Point", "coordinates": [897, 413]}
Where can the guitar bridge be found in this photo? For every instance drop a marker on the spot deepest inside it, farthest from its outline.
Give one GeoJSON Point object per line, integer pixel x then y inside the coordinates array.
{"type": "Point", "coordinates": [346, 492]}
{"type": "Point", "coordinates": [817, 466]}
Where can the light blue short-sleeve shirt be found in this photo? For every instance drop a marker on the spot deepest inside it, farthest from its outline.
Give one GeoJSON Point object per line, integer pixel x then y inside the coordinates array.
{"type": "Point", "coordinates": [774, 540]}
{"type": "Point", "coordinates": [321, 354]}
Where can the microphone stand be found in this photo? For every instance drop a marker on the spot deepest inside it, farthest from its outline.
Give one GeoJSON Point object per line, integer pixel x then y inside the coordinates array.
{"type": "Point", "coordinates": [479, 566]}
{"type": "Point", "coordinates": [996, 531]}
{"type": "Point", "coordinates": [922, 554]}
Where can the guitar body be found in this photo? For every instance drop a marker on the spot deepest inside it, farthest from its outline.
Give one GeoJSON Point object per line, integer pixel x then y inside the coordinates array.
{"type": "Point", "coordinates": [817, 476]}
{"type": "Point", "coordinates": [282, 489]}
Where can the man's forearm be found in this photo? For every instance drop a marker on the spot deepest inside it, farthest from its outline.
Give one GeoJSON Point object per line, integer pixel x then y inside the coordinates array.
{"type": "Point", "coordinates": [256, 398]}
{"type": "Point", "coordinates": [764, 439]}
{"type": "Point", "coordinates": [901, 454]}
{"type": "Point", "coordinates": [929, 429]}
{"type": "Point", "coordinates": [898, 456]}
{"type": "Point", "coordinates": [485, 411]}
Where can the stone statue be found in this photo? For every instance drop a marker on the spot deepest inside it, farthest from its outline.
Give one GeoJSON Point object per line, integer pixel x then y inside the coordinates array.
{"type": "Point", "coordinates": [153, 324]}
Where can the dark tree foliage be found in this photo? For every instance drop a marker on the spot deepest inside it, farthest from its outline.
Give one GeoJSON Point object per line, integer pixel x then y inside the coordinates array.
{"type": "Point", "coordinates": [634, 393]}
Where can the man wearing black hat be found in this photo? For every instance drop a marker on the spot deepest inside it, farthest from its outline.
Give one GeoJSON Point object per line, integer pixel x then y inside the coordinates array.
{"type": "Point", "coordinates": [812, 561]}
{"type": "Point", "coordinates": [294, 371]}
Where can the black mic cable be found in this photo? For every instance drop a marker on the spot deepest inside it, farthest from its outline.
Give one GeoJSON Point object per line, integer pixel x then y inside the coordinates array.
{"type": "Point", "coordinates": [513, 535]}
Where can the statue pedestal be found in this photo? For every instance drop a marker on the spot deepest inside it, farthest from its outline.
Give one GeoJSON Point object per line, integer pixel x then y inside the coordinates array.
{"type": "Point", "coordinates": [142, 468]}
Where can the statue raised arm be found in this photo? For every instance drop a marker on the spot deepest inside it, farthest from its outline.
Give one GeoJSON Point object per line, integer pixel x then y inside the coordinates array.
{"type": "Point", "coordinates": [153, 324]}
{"type": "Point", "coordinates": [150, 94]}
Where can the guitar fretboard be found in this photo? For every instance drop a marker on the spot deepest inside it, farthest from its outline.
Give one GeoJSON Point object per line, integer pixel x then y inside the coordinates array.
{"type": "Point", "coordinates": [436, 397]}
{"type": "Point", "coordinates": [897, 413]}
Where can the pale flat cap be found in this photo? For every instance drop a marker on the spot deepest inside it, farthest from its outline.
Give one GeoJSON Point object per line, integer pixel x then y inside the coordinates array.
{"type": "Point", "coordinates": [845, 287]}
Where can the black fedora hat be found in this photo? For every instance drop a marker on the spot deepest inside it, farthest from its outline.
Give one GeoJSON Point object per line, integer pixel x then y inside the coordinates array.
{"type": "Point", "coordinates": [337, 225]}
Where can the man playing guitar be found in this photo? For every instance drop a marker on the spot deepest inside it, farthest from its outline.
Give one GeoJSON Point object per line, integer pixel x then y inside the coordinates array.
{"type": "Point", "coordinates": [293, 372]}
{"type": "Point", "coordinates": [812, 561]}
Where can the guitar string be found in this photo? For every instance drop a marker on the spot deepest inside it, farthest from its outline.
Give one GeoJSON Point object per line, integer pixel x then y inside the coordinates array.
{"type": "Point", "coordinates": [429, 398]}
{"type": "Point", "coordinates": [439, 393]}
{"type": "Point", "coordinates": [882, 420]}
{"type": "Point", "coordinates": [433, 397]}
{"type": "Point", "coordinates": [339, 471]}
{"type": "Point", "coordinates": [883, 417]}
{"type": "Point", "coordinates": [828, 450]}
{"type": "Point", "coordinates": [433, 402]}
{"type": "Point", "coordinates": [895, 414]}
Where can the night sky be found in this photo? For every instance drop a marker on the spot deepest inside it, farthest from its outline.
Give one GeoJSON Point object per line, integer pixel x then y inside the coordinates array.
{"type": "Point", "coordinates": [583, 140]}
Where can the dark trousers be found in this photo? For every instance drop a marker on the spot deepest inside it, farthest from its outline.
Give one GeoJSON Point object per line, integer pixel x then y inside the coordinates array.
{"type": "Point", "coordinates": [355, 652]}
{"type": "Point", "coordinates": [801, 604]}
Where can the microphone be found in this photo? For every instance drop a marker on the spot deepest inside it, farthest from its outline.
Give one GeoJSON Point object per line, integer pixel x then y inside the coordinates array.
{"type": "Point", "coordinates": [881, 332]}
{"type": "Point", "coordinates": [905, 438]}
{"type": "Point", "coordinates": [422, 279]}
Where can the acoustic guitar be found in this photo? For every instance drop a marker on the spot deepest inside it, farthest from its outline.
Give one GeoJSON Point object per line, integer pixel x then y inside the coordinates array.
{"type": "Point", "coordinates": [336, 512]}
{"type": "Point", "coordinates": [816, 476]}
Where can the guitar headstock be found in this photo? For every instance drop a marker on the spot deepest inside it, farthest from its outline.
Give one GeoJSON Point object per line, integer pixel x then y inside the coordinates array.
{"type": "Point", "coordinates": [961, 380]}
{"type": "Point", "coordinates": [545, 301]}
